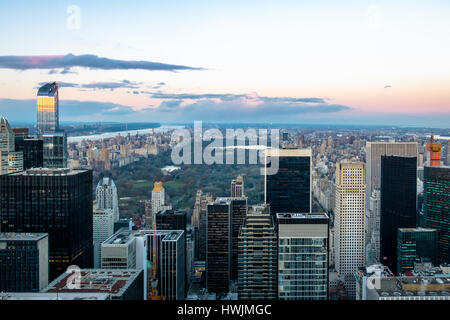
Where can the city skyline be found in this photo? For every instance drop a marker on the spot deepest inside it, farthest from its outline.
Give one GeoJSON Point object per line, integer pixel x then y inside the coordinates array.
{"type": "Point", "coordinates": [366, 63]}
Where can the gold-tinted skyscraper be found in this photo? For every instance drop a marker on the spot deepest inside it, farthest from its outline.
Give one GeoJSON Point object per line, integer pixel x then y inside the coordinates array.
{"type": "Point", "coordinates": [237, 187]}
{"type": "Point", "coordinates": [47, 108]}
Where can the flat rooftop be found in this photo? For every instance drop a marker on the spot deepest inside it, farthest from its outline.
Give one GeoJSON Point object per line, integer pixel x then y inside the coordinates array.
{"type": "Point", "coordinates": [125, 236]}
{"type": "Point", "coordinates": [294, 215]}
{"type": "Point", "coordinates": [414, 286]}
{"type": "Point", "coordinates": [109, 281]}
{"type": "Point", "coordinates": [22, 236]}
{"type": "Point", "coordinates": [48, 172]}
{"type": "Point", "coordinates": [54, 296]}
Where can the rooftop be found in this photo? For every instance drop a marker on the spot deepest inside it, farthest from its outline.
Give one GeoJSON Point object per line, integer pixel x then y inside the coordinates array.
{"type": "Point", "coordinates": [414, 286]}
{"type": "Point", "coordinates": [292, 215]}
{"type": "Point", "coordinates": [48, 89]}
{"type": "Point", "coordinates": [53, 296]}
{"type": "Point", "coordinates": [48, 172]}
{"type": "Point", "coordinates": [112, 281]}
{"type": "Point", "coordinates": [12, 236]}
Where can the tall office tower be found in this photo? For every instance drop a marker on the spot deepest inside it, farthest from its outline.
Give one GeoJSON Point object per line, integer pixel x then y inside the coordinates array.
{"type": "Point", "coordinates": [237, 187]}
{"type": "Point", "coordinates": [32, 151]}
{"type": "Point", "coordinates": [289, 190]}
{"type": "Point", "coordinates": [6, 144]}
{"type": "Point", "coordinates": [302, 256]}
{"type": "Point", "coordinates": [160, 252]}
{"type": "Point", "coordinates": [436, 207]}
{"type": "Point", "coordinates": [106, 196]}
{"type": "Point", "coordinates": [218, 246]}
{"type": "Point", "coordinates": [23, 262]}
{"type": "Point", "coordinates": [158, 197]}
{"type": "Point", "coordinates": [47, 109]}
{"type": "Point", "coordinates": [199, 222]}
{"type": "Point", "coordinates": [103, 228]}
{"type": "Point", "coordinates": [398, 203]}
{"type": "Point", "coordinates": [172, 220]}
{"type": "Point", "coordinates": [55, 149]}
{"type": "Point", "coordinates": [238, 211]}
{"type": "Point", "coordinates": [56, 201]}
{"type": "Point", "coordinates": [433, 153]}
{"type": "Point", "coordinates": [349, 222]}
{"type": "Point", "coordinates": [373, 228]}
{"type": "Point", "coordinates": [257, 266]}
{"type": "Point", "coordinates": [415, 245]}
{"type": "Point", "coordinates": [374, 151]}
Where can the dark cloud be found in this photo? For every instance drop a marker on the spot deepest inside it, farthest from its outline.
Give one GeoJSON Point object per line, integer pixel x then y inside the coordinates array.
{"type": "Point", "coordinates": [99, 85]}
{"type": "Point", "coordinates": [86, 61]}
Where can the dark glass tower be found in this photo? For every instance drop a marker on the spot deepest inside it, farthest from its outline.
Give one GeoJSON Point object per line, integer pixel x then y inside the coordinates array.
{"type": "Point", "coordinates": [398, 203]}
{"type": "Point", "coordinates": [436, 207]}
{"type": "Point", "coordinates": [218, 246]}
{"type": "Point", "coordinates": [32, 150]}
{"type": "Point", "coordinates": [23, 262]}
{"type": "Point", "coordinates": [415, 245]}
{"type": "Point", "coordinates": [289, 190]}
{"type": "Point", "coordinates": [238, 214]}
{"type": "Point", "coordinates": [55, 201]}
{"type": "Point", "coordinates": [55, 149]}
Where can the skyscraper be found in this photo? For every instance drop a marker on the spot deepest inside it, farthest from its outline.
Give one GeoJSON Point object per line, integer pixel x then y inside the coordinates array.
{"type": "Point", "coordinates": [414, 245]}
{"type": "Point", "coordinates": [23, 262]}
{"type": "Point", "coordinates": [373, 228]}
{"type": "Point", "coordinates": [6, 144]}
{"type": "Point", "coordinates": [106, 196]}
{"type": "Point", "coordinates": [436, 207]}
{"type": "Point", "coordinates": [199, 222]}
{"type": "Point", "coordinates": [302, 256]}
{"type": "Point", "coordinates": [289, 190]}
{"type": "Point", "coordinates": [55, 149]}
{"type": "Point", "coordinates": [47, 108]}
{"type": "Point", "coordinates": [398, 203]}
{"type": "Point", "coordinates": [103, 228]}
{"type": "Point", "coordinates": [158, 197]}
{"type": "Point", "coordinates": [237, 187]}
{"type": "Point", "coordinates": [55, 201]}
{"type": "Point", "coordinates": [257, 262]}
{"type": "Point", "coordinates": [374, 151]}
{"type": "Point", "coordinates": [433, 153]}
{"type": "Point", "coordinates": [32, 151]}
{"type": "Point", "coordinates": [349, 224]}
{"type": "Point", "coordinates": [218, 246]}
{"type": "Point", "coordinates": [238, 210]}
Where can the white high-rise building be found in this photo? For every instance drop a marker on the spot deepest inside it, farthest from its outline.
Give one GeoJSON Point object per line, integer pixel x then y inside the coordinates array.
{"type": "Point", "coordinates": [349, 222]}
{"type": "Point", "coordinates": [373, 228]}
{"type": "Point", "coordinates": [103, 225]}
{"type": "Point", "coordinates": [374, 151]}
{"type": "Point", "coordinates": [157, 197]}
{"type": "Point", "coordinates": [6, 144]}
{"type": "Point", "coordinates": [106, 196]}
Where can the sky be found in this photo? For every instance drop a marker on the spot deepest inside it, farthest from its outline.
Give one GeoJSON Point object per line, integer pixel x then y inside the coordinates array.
{"type": "Point", "coordinates": [332, 62]}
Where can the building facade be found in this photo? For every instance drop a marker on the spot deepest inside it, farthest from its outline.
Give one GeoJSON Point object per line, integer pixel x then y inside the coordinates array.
{"type": "Point", "coordinates": [302, 256]}
{"type": "Point", "coordinates": [398, 203]}
{"type": "Point", "coordinates": [436, 207]}
{"type": "Point", "coordinates": [106, 196]}
{"type": "Point", "coordinates": [47, 108]}
{"type": "Point", "coordinates": [290, 188]}
{"type": "Point", "coordinates": [257, 257]}
{"type": "Point", "coordinates": [23, 262]}
{"type": "Point", "coordinates": [55, 201]}
{"type": "Point", "coordinates": [349, 222]}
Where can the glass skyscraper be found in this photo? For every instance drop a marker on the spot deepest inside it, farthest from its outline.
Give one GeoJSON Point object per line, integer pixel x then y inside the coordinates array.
{"type": "Point", "coordinates": [55, 201]}
{"type": "Point", "coordinates": [47, 108]}
{"type": "Point", "coordinates": [302, 256]}
{"type": "Point", "coordinates": [257, 258]}
{"type": "Point", "coordinates": [289, 189]}
{"type": "Point", "coordinates": [415, 245]}
{"type": "Point", "coordinates": [398, 203]}
{"type": "Point", "coordinates": [436, 207]}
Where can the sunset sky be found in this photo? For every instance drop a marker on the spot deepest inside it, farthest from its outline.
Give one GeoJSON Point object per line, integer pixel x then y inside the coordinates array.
{"type": "Point", "coordinates": [344, 62]}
